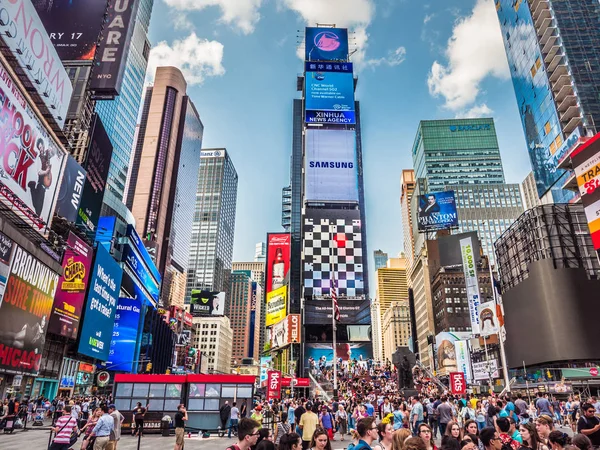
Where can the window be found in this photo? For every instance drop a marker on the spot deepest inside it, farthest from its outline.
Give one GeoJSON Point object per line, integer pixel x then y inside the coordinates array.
{"type": "Point", "coordinates": [547, 128]}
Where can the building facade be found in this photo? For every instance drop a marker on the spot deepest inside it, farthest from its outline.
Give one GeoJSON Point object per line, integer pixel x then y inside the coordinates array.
{"type": "Point", "coordinates": [238, 308]}
{"type": "Point", "coordinates": [554, 57]}
{"type": "Point", "coordinates": [257, 275]}
{"type": "Point", "coordinates": [392, 287]}
{"type": "Point", "coordinates": [380, 258]}
{"type": "Point", "coordinates": [458, 151]}
{"type": "Point", "coordinates": [529, 192]}
{"type": "Point", "coordinates": [260, 252]}
{"type": "Point", "coordinates": [376, 330]}
{"type": "Point", "coordinates": [213, 336]}
{"type": "Point", "coordinates": [211, 249]}
{"type": "Point", "coordinates": [395, 328]}
{"type": "Point", "coordinates": [407, 187]}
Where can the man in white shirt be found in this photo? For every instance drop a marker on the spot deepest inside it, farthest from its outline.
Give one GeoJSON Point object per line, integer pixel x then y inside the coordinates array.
{"type": "Point", "coordinates": [234, 417]}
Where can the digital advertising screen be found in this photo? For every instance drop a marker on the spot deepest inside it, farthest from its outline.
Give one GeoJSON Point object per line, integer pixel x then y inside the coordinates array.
{"type": "Point", "coordinates": [101, 306]}
{"type": "Point", "coordinates": [72, 284]}
{"type": "Point", "coordinates": [24, 313]}
{"type": "Point", "coordinates": [317, 352]}
{"type": "Point", "coordinates": [71, 189]}
{"type": "Point", "coordinates": [451, 353]}
{"type": "Point", "coordinates": [437, 211]}
{"type": "Point", "coordinates": [329, 97]}
{"type": "Point", "coordinates": [207, 303]}
{"type": "Point", "coordinates": [331, 172]}
{"type": "Point", "coordinates": [277, 268]}
{"type": "Point", "coordinates": [276, 306]}
{"type": "Point", "coordinates": [73, 26]}
{"type": "Point", "coordinates": [124, 340]}
{"type": "Point", "coordinates": [320, 312]}
{"type": "Point", "coordinates": [326, 44]}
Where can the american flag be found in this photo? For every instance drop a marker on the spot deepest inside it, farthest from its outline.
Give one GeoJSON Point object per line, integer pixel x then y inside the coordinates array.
{"type": "Point", "coordinates": [336, 308]}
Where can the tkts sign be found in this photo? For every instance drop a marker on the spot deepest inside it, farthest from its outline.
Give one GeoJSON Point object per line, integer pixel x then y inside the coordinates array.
{"type": "Point", "coordinates": [273, 385]}
{"type": "Point", "coordinates": [458, 385]}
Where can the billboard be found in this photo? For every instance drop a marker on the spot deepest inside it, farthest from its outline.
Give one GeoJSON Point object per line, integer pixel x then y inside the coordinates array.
{"type": "Point", "coordinates": [331, 171]}
{"type": "Point", "coordinates": [285, 332]}
{"type": "Point", "coordinates": [142, 251]}
{"type": "Point", "coordinates": [101, 306]}
{"type": "Point", "coordinates": [359, 351]}
{"type": "Point", "coordinates": [329, 97]}
{"type": "Point", "coordinates": [71, 189]}
{"type": "Point", "coordinates": [28, 43]}
{"type": "Point", "coordinates": [135, 264]}
{"type": "Point", "coordinates": [471, 281]}
{"type": "Point", "coordinates": [458, 384]}
{"type": "Point", "coordinates": [437, 211]}
{"type": "Point", "coordinates": [24, 313]}
{"type": "Point", "coordinates": [72, 284]}
{"type": "Point", "coordinates": [450, 359]}
{"type": "Point", "coordinates": [265, 363]}
{"type": "Point", "coordinates": [482, 370]}
{"type": "Point", "coordinates": [278, 260]}
{"type": "Point", "coordinates": [449, 248]}
{"type": "Point", "coordinates": [32, 162]}
{"type": "Point", "coordinates": [326, 44]}
{"type": "Point", "coordinates": [207, 303]}
{"type": "Point", "coordinates": [109, 65]}
{"type": "Point", "coordinates": [99, 155]}
{"type": "Point", "coordinates": [73, 26]}
{"type": "Point", "coordinates": [123, 344]}
{"type": "Point", "coordinates": [273, 384]}
{"type": "Point", "coordinates": [6, 248]}
{"type": "Point", "coordinates": [323, 255]}
{"type": "Point", "coordinates": [276, 306]}
{"type": "Point", "coordinates": [320, 312]}
{"type": "Point", "coordinates": [488, 318]}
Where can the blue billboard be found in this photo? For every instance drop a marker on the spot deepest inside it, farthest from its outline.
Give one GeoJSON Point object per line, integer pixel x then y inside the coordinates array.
{"type": "Point", "coordinates": [437, 211]}
{"type": "Point", "coordinates": [326, 44]}
{"type": "Point", "coordinates": [124, 341]}
{"type": "Point", "coordinates": [134, 262]}
{"type": "Point", "coordinates": [329, 97]}
{"type": "Point", "coordinates": [143, 252]}
{"type": "Point", "coordinates": [101, 306]}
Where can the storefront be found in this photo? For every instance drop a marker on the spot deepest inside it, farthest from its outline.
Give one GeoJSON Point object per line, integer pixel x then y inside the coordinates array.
{"type": "Point", "coordinates": [45, 387]}
{"type": "Point", "coordinates": [84, 379]}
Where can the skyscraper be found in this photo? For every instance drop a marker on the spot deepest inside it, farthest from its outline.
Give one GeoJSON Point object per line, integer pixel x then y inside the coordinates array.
{"type": "Point", "coordinates": [166, 159]}
{"type": "Point", "coordinates": [381, 259]}
{"type": "Point", "coordinates": [119, 116]}
{"type": "Point", "coordinates": [211, 250]}
{"type": "Point", "coordinates": [257, 274]}
{"type": "Point", "coordinates": [529, 192]}
{"type": "Point", "coordinates": [260, 252]}
{"type": "Point", "coordinates": [407, 186]}
{"type": "Point", "coordinates": [553, 50]}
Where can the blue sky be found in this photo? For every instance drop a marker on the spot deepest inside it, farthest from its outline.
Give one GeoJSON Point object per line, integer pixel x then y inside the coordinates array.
{"type": "Point", "coordinates": [415, 60]}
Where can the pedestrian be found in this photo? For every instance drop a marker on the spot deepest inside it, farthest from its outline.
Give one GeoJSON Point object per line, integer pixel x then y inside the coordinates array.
{"type": "Point", "coordinates": [470, 427]}
{"type": "Point", "coordinates": [103, 429]}
{"type": "Point", "coordinates": [416, 414]}
{"type": "Point", "coordinates": [432, 416]}
{"type": "Point", "coordinates": [341, 417]}
{"type": "Point", "coordinates": [265, 440]}
{"type": "Point", "coordinates": [139, 413]}
{"type": "Point", "coordinates": [320, 440]}
{"type": "Point", "coordinates": [559, 440]}
{"type": "Point", "coordinates": [544, 425]}
{"type": "Point", "coordinates": [88, 439]}
{"type": "Point", "coordinates": [490, 439]}
{"type": "Point", "coordinates": [445, 415]}
{"type": "Point", "coordinates": [367, 432]}
{"type": "Point", "coordinates": [293, 441]}
{"type": "Point", "coordinates": [283, 427]}
{"type": "Point", "coordinates": [531, 438]}
{"type": "Point", "coordinates": [308, 424]}
{"type": "Point", "coordinates": [234, 418]}
{"type": "Point", "coordinates": [503, 428]}
{"type": "Point", "coordinates": [424, 432]}
{"type": "Point", "coordinates": [247, 434]}
{"type": "Point", "coordinates": [480, 415]}
{"type": "Point", "coordinates": [327, 422]}
{"type": "Point", "coordinates": [582, 442]}
{"type": "Point", "coordinates": [181, 417]}
{"type": "Point", "coordinates": [64, 427]}
{"type": "Point", "coordinates": [589, 425]}
{"type": "Point", "coordinates": [257, 415]}
{"type": "Point", "coordinates": [399, 437]}
{"type": "Point", "coordinates": [118, 419]}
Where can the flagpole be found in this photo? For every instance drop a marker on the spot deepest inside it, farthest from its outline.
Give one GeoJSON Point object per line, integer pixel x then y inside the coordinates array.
{"type": "Point", "coordinates": [497, 301]}
{"type": "Point", "coordinates": [332, 281]}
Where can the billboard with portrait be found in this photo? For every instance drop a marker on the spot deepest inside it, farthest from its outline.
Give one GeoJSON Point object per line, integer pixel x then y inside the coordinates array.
{"type": "Point", "coordinates": [452, 352]}
{"type": "Point", "coordinates": [73, 26]}
{"type": "Point", "coordinates": [24, 313]}
{"type": "Point", "coordinates": [72, 284]}
{"type": "Point", "coordinates": [32, 162]}
{"type": "Point", "coordinates": [101, 306]}
{"type": "Point", "coordinates": [326, 44]}
{"type": "Point", "coordinates": [437, 211]}
{"type": "Point", "coordinates": [97, 164]}
{"type": "Point", "coordinates": [285, 332]}
{"type": "Point", "coordinates": [71, 190]}
{"type": "Point", "coordinates": [27, 43]}
{"type": "Point", "coordinates": [207, 303]}
{"type": "Point", "coordinates": [276, 306]}
{"type": "Point", "coordinates": [332, 243]}
{"type": "Point", "coordinates": [331, 170]}
{"type": "Point", "coordinates": [124, 342]}
{"type": "Point", "coordinates": [329, 97]}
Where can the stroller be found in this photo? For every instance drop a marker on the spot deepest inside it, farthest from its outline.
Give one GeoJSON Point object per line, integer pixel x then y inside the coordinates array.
{"type": "Point", "coordinates": [38, 420]}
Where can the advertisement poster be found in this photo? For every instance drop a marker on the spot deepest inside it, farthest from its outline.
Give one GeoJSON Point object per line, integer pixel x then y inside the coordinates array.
{"type": "Point", "coordinates": [471, 281]}
{"type": "Point", "coordinates": [483, 370]}
{"type": "Point", "coordinates": [23, 33]}
{"type": "Point", "coordinates": [138, 245]}
{"type": "Point", "coordinates": [70, 295]}
{"type": "Point", "coordinates": [71, 190]}
{"type": "Point", "coordinates": [331, 172]}
{"type": "Point", "coordinates": [134, 262]}
{"type": "Point", "coordinates": [125, 335]}
{"type": "Point", "coordinates": [285, 332]}
{"type": "Point", "coordinates": [458, 384]}
{"type": "Point", "coordinates": [265, 362]}
{"type": "Point", "coordinates": [330, 97]}
{"type": "Point", "coordinates": [463, 358]}
{"type": "Point", "coordinates": [73, 26]}
{"type": "Point", "coordinates": [320, 312]}
{"type": "Point", "coordinates": [437, 211]}
{"type": "Point", "coordinates": [326, 44]}
{"type": "Point", "coordinates": [6, 249]}
{"type": "Point", "coordinates": [207, 303]}
{"type": "Point", "coordinates": [24, 313]}
{"type": "Point", "coordinates": [273, 384]}
{"type": "Point", "coordinates": [488, 319]}
{"type": "Point", "coordinates": [32, 162]}
{"type": "Point", "coordinates": [316, 352]}
{"type": "Point", "coordinates": [278, 261]}
{"type": "Point", "coordinates": [101, 306]}
{"type": "Point", "coordinates": [100, 152]}
{"type": "Point", "coordinates": [449, 360]}
{"type": "Point", "coordinates": [276, 306]}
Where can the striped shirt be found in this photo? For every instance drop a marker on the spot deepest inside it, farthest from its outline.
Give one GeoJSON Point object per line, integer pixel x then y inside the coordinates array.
{"type": "Point", "coordinates": [65, 425]}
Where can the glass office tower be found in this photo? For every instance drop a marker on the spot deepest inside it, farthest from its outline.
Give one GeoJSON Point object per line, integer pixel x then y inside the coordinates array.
{"type": "Point", "coordinates": [553, 50]}
{"type": "Point", "coordinates": [461, 151]}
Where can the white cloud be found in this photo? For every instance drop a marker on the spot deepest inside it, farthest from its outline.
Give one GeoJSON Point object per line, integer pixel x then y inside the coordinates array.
{"type": "Point", "coordinates": [475, 51]}
{"type": "Point", "coordinates": [181, 21]}
{"type": "Point", "coordinates": [476, 111]}
{"type": "Point", "coordinates": [353, 14]}
{"type": "Point", "coordinates": [241, 13]}
{"type": "Point", "coordinates": [428, 17]}
{"type": "Point", "coordinates": [196, 58]}
{"type": "Point", "coordinates": [394, 58]}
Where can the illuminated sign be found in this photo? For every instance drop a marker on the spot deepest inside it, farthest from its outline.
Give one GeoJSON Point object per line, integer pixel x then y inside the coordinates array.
{"type": "Point", "coordinates": [480, 127]}
{"type": "Point", "coordinates": [326, 44]}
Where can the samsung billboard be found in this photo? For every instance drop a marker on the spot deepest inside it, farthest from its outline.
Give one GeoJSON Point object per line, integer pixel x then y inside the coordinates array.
{"type": "Point", "coordinates": [331, 172]}
{"type": "Point", "coordinates": [330, 97]}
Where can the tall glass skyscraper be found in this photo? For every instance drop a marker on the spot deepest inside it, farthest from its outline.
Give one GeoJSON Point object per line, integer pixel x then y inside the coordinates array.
{"type": "Point", "coordinates": [553, 50]}
{"type": "Point", "coordinates": [211, 250]}
{"type": "Point", "coordinates": [119, 116]}
{"type": "Point", "coordinates": [460, 151]}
